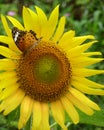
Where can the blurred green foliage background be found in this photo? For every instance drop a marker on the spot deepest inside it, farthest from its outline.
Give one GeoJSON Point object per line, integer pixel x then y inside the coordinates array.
{"type": "Point", "coordinates": [85, 17]}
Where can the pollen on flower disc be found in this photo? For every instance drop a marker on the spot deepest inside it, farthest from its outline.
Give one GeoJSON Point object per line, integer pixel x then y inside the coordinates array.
{"type": "Point", "coordinates": [44, 72]}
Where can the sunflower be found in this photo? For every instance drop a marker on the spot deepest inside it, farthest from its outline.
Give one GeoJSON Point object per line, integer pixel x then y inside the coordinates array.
{"type": "Point", "coordinates": [45, 70]}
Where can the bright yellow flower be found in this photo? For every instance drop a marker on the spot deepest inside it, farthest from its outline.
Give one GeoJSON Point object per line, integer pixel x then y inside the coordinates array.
{"type": "Point", "coordinates": [44, 70]}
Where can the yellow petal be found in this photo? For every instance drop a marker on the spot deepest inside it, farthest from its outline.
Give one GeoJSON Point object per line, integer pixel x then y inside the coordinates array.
{"type": "Point", "coordinates": [52, 22]}
{"type": "Point", "coordinates": [88, 82]}
{"type": "Point", "coordinates": [7, 83]}
{"type": "Point", "coordinates": [15, 22]}
{"type": "Point", "coordinates": [58, 113]}
{"type": "Point", "coordinates": [36, 115]}
{"type": "Point", "coordinates": [91, 53]}
{"type": "Point", "coordinates": [80, 61]}
{"type": "Point", "coordinates": [42, 19]}
{"type": "Point", "coordinates": [7, 64]}
{"type": "Point", "coordinates": [75, 52]}
{"type": "Point", "coordinates": [44, 125]}
{"type": "Point", "coordinates": [85, 89]}
{"type": "Point", "coordinates": [8, 91]}
{"type": "Point", "coordinates": [26, 19]}
{"type": "Point", "coordinates": [25, 111]}
{"type": "Point", "coordinates": [7, 74]}
{"type": "Point", "coordinates": [8, 53]}
{"type": "Point", "coordinates": [6, 27]}
{"type": "Point", "coordinates": [60, 29]}
{"type": "Point", "coordinates": [5, 39]}
{"type": "Point", "coordinates": [10, 103]}
{"type": "Point", "coordinates": [66, 37]}
{"type": "Point", "coordinates": [82, 98]}
{"type": "Point", "coordinates": [35, 23]}
{"type": "Point", "coordinates": [10, 42]}
{"type": "Point", "coordinates": [68, 106]}
{"type": "Point", "coordinates": [79, 40]}
{"type": "Point", "coordinates": [83, 72]}
{"type": "Point", "coordinates": [83, 107]}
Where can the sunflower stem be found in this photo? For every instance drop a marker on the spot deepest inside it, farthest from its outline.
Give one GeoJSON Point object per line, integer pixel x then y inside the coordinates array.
{"type": "Point", "coordinates": [68, 124]}
{"type": "Point", "coordinates": [53, 124]}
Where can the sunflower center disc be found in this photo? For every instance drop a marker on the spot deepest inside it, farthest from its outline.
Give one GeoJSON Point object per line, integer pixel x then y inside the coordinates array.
{"type": "Point", "coordinates": [44, 72]}
{"type": "Point", "coordinates": [47, 69]}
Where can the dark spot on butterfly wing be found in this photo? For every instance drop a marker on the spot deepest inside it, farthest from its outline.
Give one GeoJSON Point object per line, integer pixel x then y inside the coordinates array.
{"type": "Point", "coordinates": [34, 34]}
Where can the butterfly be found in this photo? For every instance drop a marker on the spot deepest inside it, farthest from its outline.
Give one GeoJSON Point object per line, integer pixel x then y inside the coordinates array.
{"type": "Point", "coordinates": [24, 39]}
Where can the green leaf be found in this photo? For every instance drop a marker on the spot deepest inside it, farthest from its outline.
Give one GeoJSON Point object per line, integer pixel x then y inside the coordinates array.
{"type": "Point", "coordinates": [96, 119]}
{"type": "Point", "coordinates": [2, 120]}
{"type": "Point", "coordinates": [82, 2]}
{"type": "Point", "coordinates": [28, 124]}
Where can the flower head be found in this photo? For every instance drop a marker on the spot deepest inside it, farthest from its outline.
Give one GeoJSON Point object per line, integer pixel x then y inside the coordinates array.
{"type": "Point", "coordinates": [11, 13]}
{"type": "Point", "coordinates": [45, 70]}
